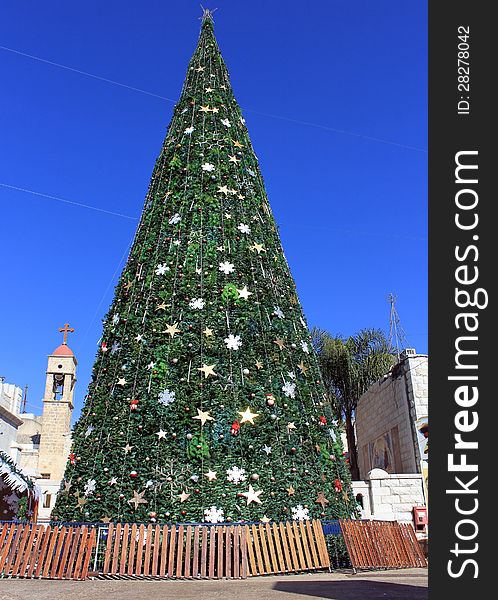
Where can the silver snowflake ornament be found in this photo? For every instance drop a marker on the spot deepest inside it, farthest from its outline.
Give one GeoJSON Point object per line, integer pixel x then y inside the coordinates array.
{"type": "Point", "coordinates": [233, 342]}
{"type": "Point", "coordinates": [243, 228]}
{"type": "Point", "coordinates": [299, 513]}
{"type": "Point", "coordinates": [226, 267]}
{"type": "Point", "coordinates": [236, 475]}
{"type": "Point", "coordinates": [161, 269]}
{"type": "Point", "coordinates": [90, 487]}
{"type": "Point", "coordinates": [166, 397]}
{"type": "Point", "coordinates": [197, 303]}
{"type": "Point", "coordinates": [289, 389]}
{"type": "Point", "coordinates": [214, 515]}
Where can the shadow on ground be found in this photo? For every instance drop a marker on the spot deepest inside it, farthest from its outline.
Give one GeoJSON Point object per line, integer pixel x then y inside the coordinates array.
{"type": "Point", "coordinates": [353, 590]}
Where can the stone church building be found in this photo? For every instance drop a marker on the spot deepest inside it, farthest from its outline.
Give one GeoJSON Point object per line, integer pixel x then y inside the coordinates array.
{"type": "Point", "coordinates": [41, 444]}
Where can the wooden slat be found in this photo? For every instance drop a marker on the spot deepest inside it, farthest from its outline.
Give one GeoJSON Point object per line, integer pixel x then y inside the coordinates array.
{"type": "Point", "coordinates": [140, 550]}
{"type": "Point", "coordinates": [115, 550]}
{"type": "Point", "coordinates": [172, 544]}
{"type": "Point", "coordinates": [212, 549]}
{"type": "Point", "coordinates": [28, 550]}
{"type": "Point", "coordinates": [4, 531]}
{"type": "Point", "coordinates": [228, 551]}
{"type": "Point", "coordinates": [133, 548]}
{"type": "Point", "coordinates": [18, 531]}
{"type": "Point", "coordinates": [321, 545]}
{"type": "Point", "coordinates": [204, 551]}
{"type": "Point", "coordinates": [49, 552]}
{"type": "Point", "coordinates": [124, 549]}
{"type": "Point", "coordinates": [263, 542]}
{"type": "Point", "coordinates": [36, 551]}
{"type": "Point", "coordinates": [20, 549]}
{"type": "Point", "coordinates": [236, 551]}
{"type": "Point", "coordinates": [188, 551]}
{"type": "Point", "coordinates": [179, 552]}
{"type": "Point", "coordinates": [148, 545]}
{"type": "Point", "coordinates": [195, 560]}
{"type": "Point", "coordinates": [305, 544]}
{"type": "Point", "coordinates": [283, 539]}
{"type": "Point", "coordinates": [257, 550]}
{"type": "Point", "coordinates": [82, 542]}
{"type": "Point", "coordinates": [292, 546]}
{"type": "Point", "coordinates": [243, 547]}
{"type": "Point", "coordinates": [43, 557]}
{"type": "Point", "coordinates": [88, 553]}
{"type": "Point", "coordinates": [312, 544]}
{"type": "Point", "coordinates": [271, 548]}
{"type": "Point", "coordinates": [164, 552]}
{"type": "Point", "coordinates": [68, 540]}
{"type": "Point", "coordinates": [278, 548]}
{"type": "Point", "coordinates": [107, 556]}
{"type": "Point", "coordinates": [62, 535]}
{"type": "Point", "coordinates": [155, 554]}
{"type": "Point", "coordinates": [250, 552]}
{"type": "Point", "coordinates": [220, 546]}
{"type": "Point", "coordinates": [297, 541]}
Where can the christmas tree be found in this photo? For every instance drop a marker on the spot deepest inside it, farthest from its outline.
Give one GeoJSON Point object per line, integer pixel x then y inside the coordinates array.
{"type": "Point", "coordinates": [205, 402]}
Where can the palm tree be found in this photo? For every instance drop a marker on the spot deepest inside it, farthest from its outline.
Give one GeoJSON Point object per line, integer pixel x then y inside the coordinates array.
{"type": "Point", "coordinates": [349, 366]}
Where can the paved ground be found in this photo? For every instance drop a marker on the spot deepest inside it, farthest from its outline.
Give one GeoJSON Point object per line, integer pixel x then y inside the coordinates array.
{"type": "Point", "coordinates": [407, 584]}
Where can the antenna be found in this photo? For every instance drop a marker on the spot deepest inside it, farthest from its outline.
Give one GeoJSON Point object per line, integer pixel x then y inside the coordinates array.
{"type": "Point", "coordinates": [24, 399]}
{"type": "Point", "coordinates": [397, 336]}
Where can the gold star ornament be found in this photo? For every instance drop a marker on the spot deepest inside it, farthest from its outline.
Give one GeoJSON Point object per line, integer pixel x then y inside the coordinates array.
{"type": "Point", "coordinates": [252, 496]}
{"type": "Point", "coordinates": [207, 370]}
{"type": "Point", "coordinates": [172, 329]}
{"type": "Point", "coordinates": [322, 500]}
{"type": "Point", "coordinates": [211, 475]}
{"type": "Point", "coordinates": [203, 416]}
{"type": "Point", "coordinates": [247, 416]}
{"type": "Point", "coordinates": [138, 498]}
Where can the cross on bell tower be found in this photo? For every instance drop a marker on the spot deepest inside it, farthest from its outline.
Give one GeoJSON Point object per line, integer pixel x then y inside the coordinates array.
{"type": "Point", "coordinates": [66, 329]}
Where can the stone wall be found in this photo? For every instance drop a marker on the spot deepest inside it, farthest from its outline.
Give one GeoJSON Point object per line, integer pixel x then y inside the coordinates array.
{"type": "Point", "coordinates": [386, 416]}
{"type": "Point", "coordinates": [10, 407]}
{"type": "Point", "coordinates": [390, 497]}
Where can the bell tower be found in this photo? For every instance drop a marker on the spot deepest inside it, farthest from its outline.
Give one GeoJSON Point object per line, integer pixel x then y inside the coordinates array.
{"type": "Point", "coordinates": [57, 410]}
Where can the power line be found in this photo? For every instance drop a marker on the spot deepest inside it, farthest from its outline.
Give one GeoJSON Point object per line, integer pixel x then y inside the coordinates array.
{"type": "Point", "coordinates": [66, 201]}
{"type": "Point", "coordinates": [142, 91]}
{"type": "Point", "coordinates": [55, 64]}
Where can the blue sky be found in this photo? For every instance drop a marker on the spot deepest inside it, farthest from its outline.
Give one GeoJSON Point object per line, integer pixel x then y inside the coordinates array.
{"type": "Point", "coordinates": [334, 95]}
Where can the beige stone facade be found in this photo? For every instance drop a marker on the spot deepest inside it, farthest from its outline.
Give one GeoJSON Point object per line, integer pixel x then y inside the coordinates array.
{"type": "Point", "coordinates": [44, 441]}
{"type": "Point", "coordinates": [388, 417]}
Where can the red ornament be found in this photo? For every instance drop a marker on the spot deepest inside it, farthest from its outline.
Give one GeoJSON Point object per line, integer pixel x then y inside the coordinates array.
{"type": "Point", "coordinates": [270, 399]}
{"type": "Point", "coordinates": [134, 404]}
{"type": "Point", "coordinates": [322, 421]}
{"type": "Point", "coordinates": [338, 485]}
{"type": "Point", "coordinates": [72, 458]}
{"type": "Point", "coordinates": [235, 428]}
{"type": "Point", "coordinates": [103, 347]}
{"type": "Point", "coordinates": [133, 474]}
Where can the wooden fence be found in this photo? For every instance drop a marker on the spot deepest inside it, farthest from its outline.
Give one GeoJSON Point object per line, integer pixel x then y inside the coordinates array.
{"type": "Point", "coordinates": [28, 550]}
{"type": "Point", "coordinates": [214, 552]}
{"type": "Point", "coordinates": [382, 545]}
{"type": "Point", "coordinates": [162, 551]}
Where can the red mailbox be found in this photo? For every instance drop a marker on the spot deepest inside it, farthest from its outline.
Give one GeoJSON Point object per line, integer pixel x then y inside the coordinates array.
{"type": "Point", "coordinates": [420, 517]}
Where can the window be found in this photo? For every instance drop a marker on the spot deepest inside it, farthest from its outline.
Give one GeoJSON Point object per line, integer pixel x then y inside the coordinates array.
{"type": "Point", "coordinates": [47, 500]}
{"type": "Point", "coordinates": [359, 499]}
{"type": "Point", "coordinates": [45, 475]}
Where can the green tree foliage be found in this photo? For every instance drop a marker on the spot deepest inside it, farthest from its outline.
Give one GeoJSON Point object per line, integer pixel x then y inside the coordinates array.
{"type": "Point", "coordinates": [206, 401]}
{"type": "Point", "coordinates": [349, 366]}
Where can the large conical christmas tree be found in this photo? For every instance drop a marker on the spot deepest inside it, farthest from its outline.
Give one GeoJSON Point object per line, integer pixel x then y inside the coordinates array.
{"type": "Point", "coordinates": [206, 402]}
